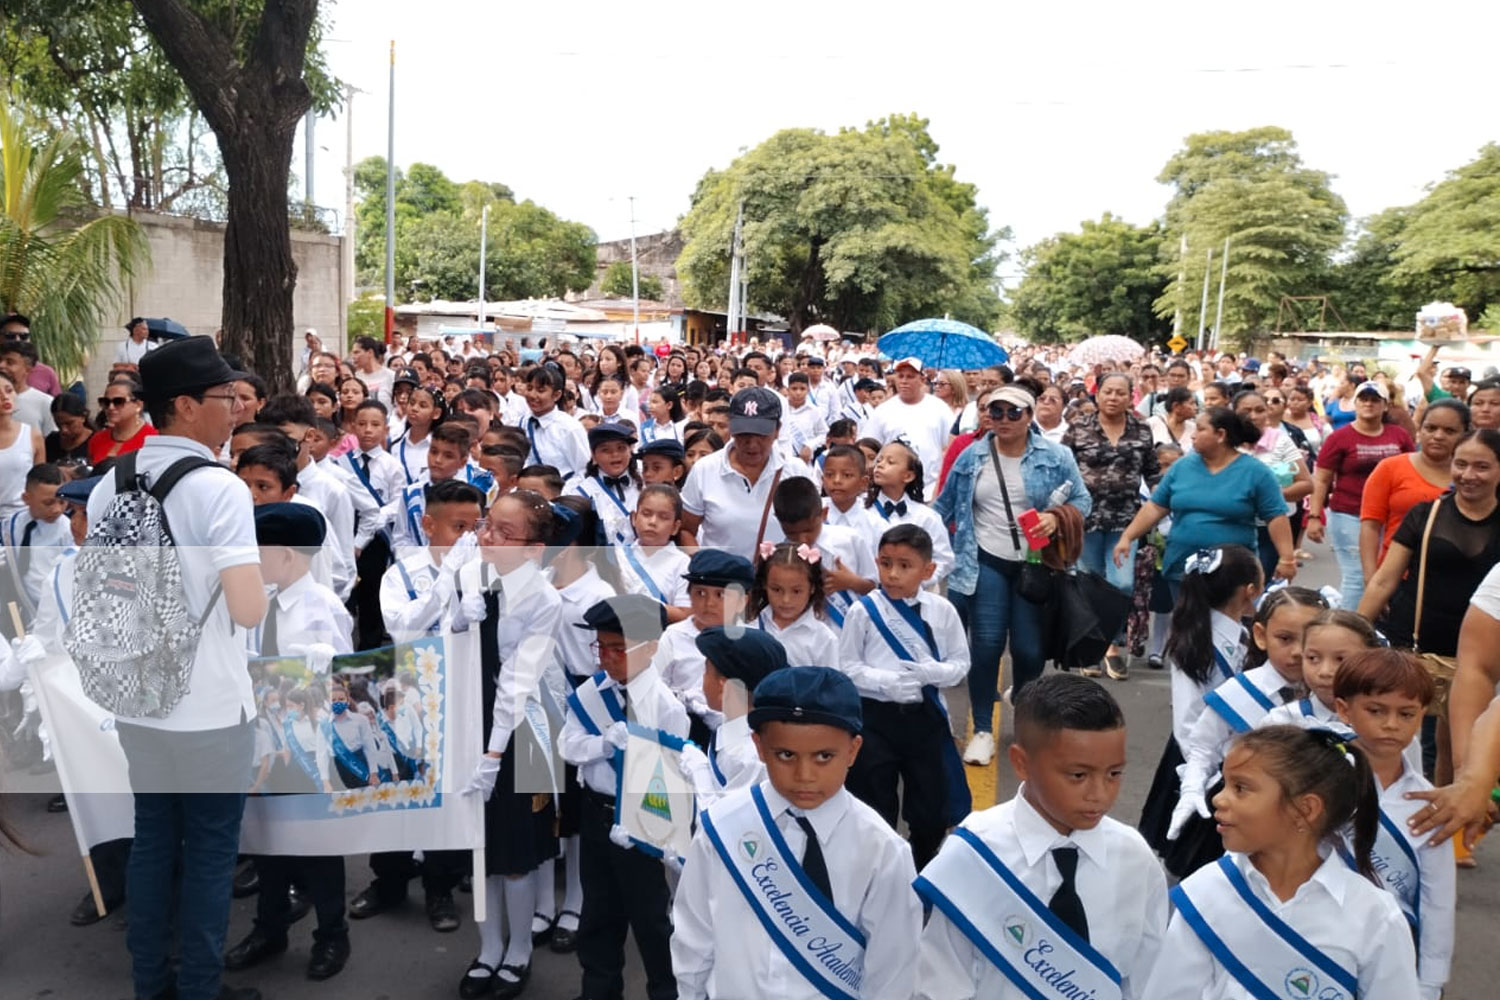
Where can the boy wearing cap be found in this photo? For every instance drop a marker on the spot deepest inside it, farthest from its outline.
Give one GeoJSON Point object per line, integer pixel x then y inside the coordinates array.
{"type": "Point", "coordinates": [732, 667]}
{"type": "Point", "coordinates": [917, 417]}
{"type": "Point", "coordinates": [622, 888]}
{"type": "Point", "coordinates": [717, 584]}
{"type": "Point", "coordinates": [795, 858]}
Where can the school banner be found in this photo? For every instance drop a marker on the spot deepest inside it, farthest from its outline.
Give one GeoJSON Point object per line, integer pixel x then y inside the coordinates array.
{"type": "Point", "coordinates": [653, 801]}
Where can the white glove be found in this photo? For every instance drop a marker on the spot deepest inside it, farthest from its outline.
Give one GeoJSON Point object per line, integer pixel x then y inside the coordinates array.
{"type": "Point", "coordinates": [463, 552]}
{"type": "Point", "coordinates": [904, 686]}
{"type": "Point", "coordinates": [694, 701]}
{"type": "Point", "coordinates": [29, 649]}
{"type": "Point", "coordinates": [473, 607]}
{"type": "Point", "coordinates": [620, 837]}
{"type": "Point", "coordinates": [1187, 804]}
{"type": "Point", "coordinates": [692, 761]}
{"type": "Point", "coordinates": [617, 736]}
{"type": "Point", "coordinates": [927, 670]}
{"type": "Point", "coordinates": [320, 658]}
{"type": "Point", "coordinates": [482, 782]}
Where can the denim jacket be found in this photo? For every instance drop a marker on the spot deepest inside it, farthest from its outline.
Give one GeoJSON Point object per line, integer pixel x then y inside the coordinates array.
{"type": "Point", "coordinates": [1051, 476]}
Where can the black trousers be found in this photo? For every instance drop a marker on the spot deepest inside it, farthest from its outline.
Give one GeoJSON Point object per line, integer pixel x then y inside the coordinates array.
{"type": "Point", "coordinates": [110, 859]}
{"type": "Point", "coordinates": [899, 771]}
{"type": "Point", "coordinates": [369, 628]}
{"type": "Point", "coordinates": [622, 890]}
{"type": "Point", "coordinates": [440, 871]}
{"type": "Point", "coordinates": [322, 878]}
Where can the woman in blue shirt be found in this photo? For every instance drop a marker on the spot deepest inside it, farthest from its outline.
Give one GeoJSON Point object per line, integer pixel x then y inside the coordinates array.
{"type": "Point", "coordinates": [1215, 496]}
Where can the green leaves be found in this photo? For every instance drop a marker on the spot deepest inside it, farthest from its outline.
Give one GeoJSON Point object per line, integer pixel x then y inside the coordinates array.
{"type": "Point", "coordinates": [617, 281]}
{"type": "Point", "coordinates": [1103, 279]}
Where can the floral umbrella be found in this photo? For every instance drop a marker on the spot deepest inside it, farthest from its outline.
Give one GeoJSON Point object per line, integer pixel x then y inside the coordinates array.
{"type": "Point", "coordinates": [1105, 349]}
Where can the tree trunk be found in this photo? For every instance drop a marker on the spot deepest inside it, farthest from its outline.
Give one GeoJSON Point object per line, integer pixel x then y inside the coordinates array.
{"type": "Point", "coordinates": [253, 100]}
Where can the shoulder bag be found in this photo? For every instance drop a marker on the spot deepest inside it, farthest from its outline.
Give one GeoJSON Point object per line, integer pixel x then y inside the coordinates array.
{"type": "Point", "coordinates": [1440, 668]}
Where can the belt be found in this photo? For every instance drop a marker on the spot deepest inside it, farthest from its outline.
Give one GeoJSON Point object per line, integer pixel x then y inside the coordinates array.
{"type": "Point", "coordinates": [598, 798]}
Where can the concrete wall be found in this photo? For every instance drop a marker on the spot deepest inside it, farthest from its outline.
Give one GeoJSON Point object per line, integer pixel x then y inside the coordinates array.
{"type": "Point", "coordinates": [186, 282]}
{"type": "Point", "coordinates": [656, 254]}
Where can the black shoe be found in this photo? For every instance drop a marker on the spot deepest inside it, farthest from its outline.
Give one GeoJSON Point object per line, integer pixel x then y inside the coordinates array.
{"type": "Point", "coordinates": [508, 989]}
{"type": "Point", "coordinates": [549, 924]}
{"type": "Point", "coordinates": [368, 903]}
{"type": "Point", "coordinates": [466, 884]}
{"type": "Point", "coordinates": [246, 880]}
{"type": "Point", "coordinates": [238, 993]}
{"type": "Point", "coordinates": [327, 959]}
{"type": "Point", "coordinates": [442, 912]}
{"type": "Point", "coordinates": [564, 941]}
{"type": "Point", "coordinates": [482, 985]}
{"type": "Point", "coordinates": [256, 948]}
{"type": "Point", "coordinates": [300, 904]}
{"type": "Point", "coordinates": [85, 913]}
{"type": "Point", "coordinates": [57, 804]}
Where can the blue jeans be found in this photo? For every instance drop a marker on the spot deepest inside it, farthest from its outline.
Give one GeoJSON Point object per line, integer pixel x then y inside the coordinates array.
{"type": "Point", "coordinates": [1343, 538]}
{"type": "Point", "coordinates": [993, 614]}
{"type": "Point", "coordinates": [189, 799]}
{"type": "Point", "coordinates": [1098, 558]}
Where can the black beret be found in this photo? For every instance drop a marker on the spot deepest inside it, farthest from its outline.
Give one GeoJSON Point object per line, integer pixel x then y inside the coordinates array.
{"type": "Point", "coordinates": [748, 655]}
{"type": "Point", "coordinates": [813, 696]}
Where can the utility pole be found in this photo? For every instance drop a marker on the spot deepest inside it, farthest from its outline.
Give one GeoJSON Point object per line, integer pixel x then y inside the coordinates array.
{"type": "Point", "coordinates": [1181, 280]}
{"type": "Point", "coordinates": [736, 286]}
{"type": "Point", "coordinates": [390, 205]}
{"type": "Point", "coordinates": [635, 275]}
{"type": "Point", "coordinates": [347, 284]}
{"type": "Point", "coordinates": [307, 151]}
{"type": "Point", "coordinates": [1223, 277]}
{"type": "Point", "coordinates": [1203, 307]}
{"type": "Point", "coordinates": [484, 240]}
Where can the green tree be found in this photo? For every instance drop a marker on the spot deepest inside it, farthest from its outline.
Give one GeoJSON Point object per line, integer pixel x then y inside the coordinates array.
{"type": "Point", "coordinates": [1283, 220]}
{"type": "Point", "coordinates": [64, 271]}
{"type": "Point", "coordinates": [860, 229]}
{"type": "Point", "coordinates": [617, 281]}
{"type": "Point", "coordinates": [1368, 292]}
{"type": "Point", "coordinates": [1102, 279]}
{"type": "Point", "coordinates": [1451, 239]}
{"type": "Point", "coordinates": [366, 317]}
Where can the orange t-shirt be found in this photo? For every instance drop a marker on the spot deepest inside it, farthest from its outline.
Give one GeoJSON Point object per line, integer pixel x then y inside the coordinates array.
{"type": "Point", "coordinates": [1394, 487]}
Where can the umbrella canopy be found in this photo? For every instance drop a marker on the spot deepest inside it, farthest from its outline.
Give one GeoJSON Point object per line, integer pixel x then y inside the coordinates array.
{"type": "Point", "coordinates": [821, 331]}
{"type": "Point", "coordinates": [1105, 349]}
{"type": "Point", "coordinates": [163, 328]}
{"type": "Point", "coordinates": [943, 343]}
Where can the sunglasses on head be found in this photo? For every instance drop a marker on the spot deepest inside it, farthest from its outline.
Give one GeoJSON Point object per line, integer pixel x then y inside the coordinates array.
{"type": "Point", "coordinates": [999, 411]}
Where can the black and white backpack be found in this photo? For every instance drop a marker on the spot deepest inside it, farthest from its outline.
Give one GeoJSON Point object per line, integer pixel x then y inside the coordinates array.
{"type": "Point", "coordinates": [129, 631]}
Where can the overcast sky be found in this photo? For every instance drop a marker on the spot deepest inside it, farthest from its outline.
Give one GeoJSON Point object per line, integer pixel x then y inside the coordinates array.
{"type": "Point", "coordinates": [1058, 111]}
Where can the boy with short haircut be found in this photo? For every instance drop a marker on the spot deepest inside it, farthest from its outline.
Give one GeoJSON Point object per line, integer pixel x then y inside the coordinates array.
{"type": "Point", "coordinates": [900, 644]}
{"type": "Point", "coordinates": [1383, 695]}
{"type": "Point", "coordinates": [412, 593]}
{"type": "Point", "coordinates": [717, 584]}
{"type": "Point", "coordinates": [803, 424]}
{"type": "Point", "coordinates": [36, 535]}
{"type": "Point", "coordinates": [1046, 894]}
{"type": "Point", "coordinates": [846, 480]}
{"type": "Point", "coordinates": [733, 665]}
{"type": "Point", "coordinates": [447, 456]}
{"type": "Point", "coordinates": [543, 479]}
{"type": "Point", "coordinates": [372, 475]}
{"type": "Point", "coordinates": [845, 557]}
{"type": "Point", "coordinates": [294, 416]}
{"type": "Point", "coordinates": [797, 844]}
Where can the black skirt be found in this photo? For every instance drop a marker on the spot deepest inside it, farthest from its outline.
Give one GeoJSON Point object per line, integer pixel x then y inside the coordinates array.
{"type": "Point", "coordinates": [570, 804]}
{"type": "Point", "coordinates": [518, 836]}
{"type": "Point", "coordinates": [1198, 843]}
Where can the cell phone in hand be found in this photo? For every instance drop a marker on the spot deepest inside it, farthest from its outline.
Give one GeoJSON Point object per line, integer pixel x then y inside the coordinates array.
{"type": "Point", "coordinates": [1030, 522]}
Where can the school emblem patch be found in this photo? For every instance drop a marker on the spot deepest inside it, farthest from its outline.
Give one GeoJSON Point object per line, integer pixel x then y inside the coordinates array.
{"type": "Point", "coordinates": [1017, 931]}
{"type": "Point", "coordinates": [750, 846]}
{"type": "Point", "coordinates": [1301, 983]}
{"type": "Point", "coordinates": [655, 801]}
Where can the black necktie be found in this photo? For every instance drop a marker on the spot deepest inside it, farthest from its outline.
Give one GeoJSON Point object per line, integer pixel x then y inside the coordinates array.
{"type": "Point", "coordinates": [1287, 694]}
{"type": "Point", "coordinates": [268, 640]}
{"type": "Point", "coordinates": [812, 859]}
{"type": "Point", "coordinates": [364, 461]}
{"type": "Point", "coordinates": [895, 508]}
{"type": "Point", "coordinates": [23, 558]}
{"type": "Point", "coordinates": [618, 484]}
{"type": "Point", "coordinates": [1065, 902]}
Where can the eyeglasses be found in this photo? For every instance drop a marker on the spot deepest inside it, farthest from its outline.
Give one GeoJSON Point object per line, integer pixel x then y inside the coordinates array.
{"type": "Point", "coordinates": [232, 398]}
{"type": "Point", "coordinates": [110, 402]}
{"type": "Point", "coordinates": [601, 650]}
{"type": "Point", "coordinates": [1012, 413]}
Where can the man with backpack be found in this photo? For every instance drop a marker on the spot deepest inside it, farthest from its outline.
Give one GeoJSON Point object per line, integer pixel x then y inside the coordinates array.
{"type": "Point", "coordinates": [167, 572]}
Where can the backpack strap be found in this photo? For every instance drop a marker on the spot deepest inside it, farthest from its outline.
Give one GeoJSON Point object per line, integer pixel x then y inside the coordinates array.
{"type": "Point", "coordinates": [159, 490]}
{"type": "Point", "coordinates": [125, 477]}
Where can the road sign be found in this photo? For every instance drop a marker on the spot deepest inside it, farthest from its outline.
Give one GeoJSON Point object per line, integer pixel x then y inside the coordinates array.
{"type": "Point", "coordinates": [1177, 344]}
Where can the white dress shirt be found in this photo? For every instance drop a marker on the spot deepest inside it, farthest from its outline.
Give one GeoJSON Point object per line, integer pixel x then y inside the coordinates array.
{"type": "Point", "coordinates": [410, 604]}
{"type": "Point", "coordinates": [412, 455]}
{"type": "Point", "coordinates": [1119, 880]}
{"type": "Point", "coordinates": [1228, 637]}
{"type": "Point", "coordinates": [1338, 910]}
{"type": "Point", "coordinates": [805, 426]}
{"type": "Point", "coordinates": [730, 505]}
{"type": "Point", "coordinates": [854, 517]}
{"type": "Point", "coordinates": [558, 440]}
{"type": "Point", "coordinates": [329, 496]}
{"type": "Point", "coordinates": [666, 566]}
{"type": "Point", "coordinates": [731, 762]}
{"type": "Point", "coordinates": [1324, 717]}
{"type": "Point", "coordinates": [613, 509]}
{"type": "Point", "coordinates": [872, 665]}
{"type": "Point", "coordinates": [924, 425]}
{"type": "Point", "coordinates": [647, 701]}
{"type": "Point", "coordinates": [719, 947]}
{"type": "Point", "coordinates": [680, 665]}
{"type": "Point", "coordinates": [130, 353]}
{"type": "Point", "coordinates": [307, 613]}
{"type": "Point", "coordinates": [575, 645]}
{"type": "Point", "coordinates": [371, 511]}
{"type": "Point", "coordinates": [878, 522]}
{"type": "Point", "coordinates": [48, 539]}
{"type": "Point", "coordinates": [808, 642]}
{"type": "Point", "coordinates": [1209, 739]}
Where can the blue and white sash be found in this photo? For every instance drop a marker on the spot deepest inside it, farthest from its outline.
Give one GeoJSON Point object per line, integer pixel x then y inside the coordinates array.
{"type": "Point", "coordinates": [837, 605]}
{"type": "Point", "coordinates": [1011, 926]}
{"type": "Point", "coordinates": [301, 754]}
{"type": "Point", "coordinates": [1263, 954]}
{"type": "Point", "coordinates": [355, 765]}
{"type": "Point", "coordinates": [633, 560]}
{"type": "Point", "coordinates": [1239, 702]}
{"type": "Point", "coordinates": [596, 709]}
{"type": "Point", "coordinates": [1395, 862]}
{"type": "Point", "coordinates": [414, 503]}
{"type": "Point", "coordinates": [363, 477]}
{"type": "Point", "coordinates": [1222, 662]}
{"type": "Point", "coordinates": [819, 942]}
{"type": "Point", "coordinates": [397, 751]}
{"type": "Point", "coordinates": [401, 449]}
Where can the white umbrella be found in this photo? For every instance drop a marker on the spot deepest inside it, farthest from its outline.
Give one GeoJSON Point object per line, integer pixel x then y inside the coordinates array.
{"type": "Point", "coordinates": [1104, 349]}
{"type": "Point", "coordinates": [821, 331]}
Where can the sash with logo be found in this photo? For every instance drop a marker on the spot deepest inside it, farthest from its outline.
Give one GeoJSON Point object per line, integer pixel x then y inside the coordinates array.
{"type": "Point", "coordinates": [1395, 862]}
{"type": "Point", "coordinates": [904, 630]}
{"type": "Point", "coordinates": [1222, 662]}
{"type": "Point", "coordinates": [838, 604]}
{"type": "Point", "coordinates": [819, 942]}
{"type": "Point", "coordinates": [1264, 955]}
{"type": "Point", "coordinates": [1011, 926]}
{"type": "Point", "coordinates": [597, 709]}
{"type": "Point", "coordinates": [1239, 702]}
{"type": "Point", "coordinates": [347, 759]}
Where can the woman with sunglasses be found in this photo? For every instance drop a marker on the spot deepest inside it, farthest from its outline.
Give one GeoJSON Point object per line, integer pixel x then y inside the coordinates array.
{"type": "Point", "coordinates": [125, 429]}
{"type": "Point", "coordinates": [1009, 470]}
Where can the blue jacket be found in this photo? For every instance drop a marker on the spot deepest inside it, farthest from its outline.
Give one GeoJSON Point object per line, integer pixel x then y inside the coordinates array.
{"type": "Point", "coordinates": [1051, 477]}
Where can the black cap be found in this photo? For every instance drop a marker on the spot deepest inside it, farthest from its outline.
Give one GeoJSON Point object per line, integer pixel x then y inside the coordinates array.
{"type": "Point", "coordinates": [718, 568]}
{"type": "Point", "coordinates": [184, 366]}
{"type": "Point", "coordinates": [669, 447]}
{"type": "Point", "coordinates": [812, 696]}
{"type": "Point", "coordinates": [866, 384]}
{"type": "Point", "coordinates": [605, 433]}
{"type": "Point", "coordinates": [78, 490]}
{"type": "Point", "coordinates": [747, 656]}
{"type": "Point", "coordinates": [634, 616]}
{"type": "Point", "coordinates": [295, 525]}
{"type": "Point", "coordinates": [408, 375]}
{"type": "Point", "coordinates": [754, 411]}
{"type": "Point", "coordinates": [1461, 373]}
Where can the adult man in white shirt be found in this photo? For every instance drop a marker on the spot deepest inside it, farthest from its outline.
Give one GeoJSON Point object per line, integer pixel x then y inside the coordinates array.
{"type": "Point", "coordinates": [190, 767]}
{"type": "Point", "coordinates": [33, 406]}
{"type": "Point", "coordinates": [920, 419]}
{"type": "Point", "coordinates": [370, 370]}
{"type": "Point", "coordinates": [134, 347]}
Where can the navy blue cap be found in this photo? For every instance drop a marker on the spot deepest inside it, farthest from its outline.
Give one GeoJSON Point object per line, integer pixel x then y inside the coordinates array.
{"type": "Point", "coordinates": [748, 655]}
{"type": "Point", "coordinates": [634, 616]}
{"type": "Point", "coordinates": [754, 411]}
{"type": "Point", "coordinates": [407, 375]}
{"type": "Point", "coordinates": [668, 447]}
{"type": "Point", "coordinates": [866, 384]}
{"type": "Point", "coordinates": [296, 525]}
{"type": "Point", "coordinates": [605, 433]}
{"type": "Point", "coordinates": [78, 490]}
{"type": "Point", "coordinates": [812, 696]}
{"type": "Point", "coordinates": [718, 568]}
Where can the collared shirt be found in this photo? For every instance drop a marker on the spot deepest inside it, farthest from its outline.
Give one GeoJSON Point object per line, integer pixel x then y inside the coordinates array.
{"type": "Point", "coordinates": [647, 701]}
{"type": "Point", "coordinates": [387, 475]}
{"type": "Point", "coordinates": [409, 601]}
{"type": "Point", "coordinates": [924, 425]}
{"type": "Point", "coordinates": [803, 427]}
{"type": "Point", "coordinates": [213, 525]}
{"type": "Point", "coordinates": [130, 353]}
{"type": "Point", "coordinates": [730, 505]}
{"type": "Point", "coordinates": [1208, 741]}
{"type": "Point", "coordinates": [808, 641]}
{"type": "Point", "coordinates": [665, 566]}
{"type": "Point", "coordinates": [412, 455]}
{"type": "Point", "coordinates": [56, 604]}
{"type": "Point", "coordinates": [1112, 471]}
{"type": "Point", "coordinates": [1229, 638]}
{"type": "Point", "coordinates": [1439, 895]}
{"type": "Point", "coordinates": [612, 508]}
{"type": "Point", "coordinates": [329, 496]}
{"type": "Point", "coordinates": [575, 645]}
{"type": "Point", "coordinates": [372, 511]}
{"type": "Point", "coordinates": [878, 522]}
{"type": "Point", "coordinates": [307, 613]}
{"type": "Point", "coordinates": [854, 517]}
{"type": "Point", "coordinates": [731, 762]}
{"type": "Point", "coordinates": [872, 665]}
{"type": "Point", "coordinates": [681, 667]}
{"type": "Point", "coordinates": [558, 440]}
{"type": "Point", "coordinates": [1338, 910]}
{"type": "Point", "coordinates": [1119, 880]}
{"type": "Point", "coordinates": [48, 539]}
{"type": "Point", "coordinates": [719, 946]}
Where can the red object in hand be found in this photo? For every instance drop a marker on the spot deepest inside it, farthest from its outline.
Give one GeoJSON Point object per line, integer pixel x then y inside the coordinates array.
{"type": "Point", "coordinates": [1031, 523]}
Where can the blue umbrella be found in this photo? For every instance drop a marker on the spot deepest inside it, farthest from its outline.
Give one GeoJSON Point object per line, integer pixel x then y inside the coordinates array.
{"type": "Point", "coordinates": [943, 343]}
{"type": "Point", "coordinates": [164, 328]}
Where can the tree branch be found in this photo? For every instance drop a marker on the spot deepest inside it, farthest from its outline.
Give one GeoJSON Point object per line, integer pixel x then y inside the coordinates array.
{"type": "Point", "coordinates": [200, 55]}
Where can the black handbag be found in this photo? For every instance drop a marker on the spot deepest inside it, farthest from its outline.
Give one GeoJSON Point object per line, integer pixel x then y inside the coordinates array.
{"type": "Point", "coordinates": [1036, 582]}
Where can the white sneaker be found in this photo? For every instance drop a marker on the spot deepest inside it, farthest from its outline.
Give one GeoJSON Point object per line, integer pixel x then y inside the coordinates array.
{"type": "Point", "coordinates": [981, 749]}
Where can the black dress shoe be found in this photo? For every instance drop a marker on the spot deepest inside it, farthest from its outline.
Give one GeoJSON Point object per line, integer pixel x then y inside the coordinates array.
{"type": "Point", "coordinates": [368, 903]}
{"type": "Point", "coordinates": [85, 913]}
{"type": "Point", "coordinates": [253, 950]}
{"type": "Point", "coordinates": [300, 903]}
{"type": "Point", "coordinates": [509, 988]}
{"type": "Point", "coordinates": [564, 941]}
{"type": "Point", "coordinates": [327, 959]}
{"type": "Point", "coordinates": [57, 804]}
{"type": "Point", "coordinates": [540, 937]}
{"type": "Point", "coordinates": [442, 912]}
{"type": "Point", "coordinates": [238, 993]}
{"type": "Point", "coordinates": [472, 986]}
{"type": "Point", "coordinates": [246, 880]}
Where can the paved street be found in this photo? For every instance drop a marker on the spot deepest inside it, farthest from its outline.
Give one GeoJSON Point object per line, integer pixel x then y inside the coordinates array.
{"type": "Point", "coordinates": [397, 957]}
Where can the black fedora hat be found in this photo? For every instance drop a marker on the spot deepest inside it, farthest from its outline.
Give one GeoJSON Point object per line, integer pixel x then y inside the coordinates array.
{"type": "Point", "coordinates": [184, 366]}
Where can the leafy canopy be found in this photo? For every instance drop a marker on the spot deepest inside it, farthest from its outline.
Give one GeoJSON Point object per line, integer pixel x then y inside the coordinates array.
{"type": "Point", "coordinates": [617, 281]}
{"type": "Point", "coordinates": [1102, 279]}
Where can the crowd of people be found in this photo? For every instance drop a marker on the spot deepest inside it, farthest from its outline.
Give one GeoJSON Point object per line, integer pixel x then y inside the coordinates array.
{"type": "Point", "coordinates": [809, 563]}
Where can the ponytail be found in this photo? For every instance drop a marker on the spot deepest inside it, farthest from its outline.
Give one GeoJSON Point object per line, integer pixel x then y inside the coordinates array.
{"type": "Point", "coordinates": [1212, 578]}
